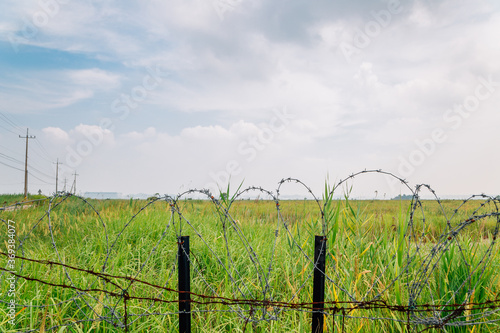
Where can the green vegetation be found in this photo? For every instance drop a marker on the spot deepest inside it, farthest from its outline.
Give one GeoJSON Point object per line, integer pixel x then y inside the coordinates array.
{"type": "Point", "coordinates": [372, 253]}
{"type": "Point", "coordinates": [9, 199]}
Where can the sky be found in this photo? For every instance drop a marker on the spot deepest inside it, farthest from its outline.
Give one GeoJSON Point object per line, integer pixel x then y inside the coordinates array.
{"type": "Point", "coordinates": [165, 96]}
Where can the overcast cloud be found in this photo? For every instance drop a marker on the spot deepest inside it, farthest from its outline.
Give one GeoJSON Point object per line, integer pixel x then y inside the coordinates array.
{"type": "Point", "coordinates": [161, 96]}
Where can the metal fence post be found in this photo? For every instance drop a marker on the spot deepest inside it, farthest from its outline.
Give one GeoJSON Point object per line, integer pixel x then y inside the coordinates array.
{"type": "Point", "coordinates": [184, 285]}
{"type": "Point", "coordinates": [319, 283]}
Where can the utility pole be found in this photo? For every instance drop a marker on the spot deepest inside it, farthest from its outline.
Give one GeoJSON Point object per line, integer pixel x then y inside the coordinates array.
{"type": "Point", "coordinates": [65, 180]}
{"type": "Point", "coordinates": [27, 137]}
{"type": "Point", "coordinates": [57, 172]}
{"type": "Point", "coordinates": [74, 183]}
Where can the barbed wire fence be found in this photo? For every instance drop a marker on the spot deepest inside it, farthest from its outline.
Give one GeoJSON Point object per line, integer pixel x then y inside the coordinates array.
{"type": "Point", "coordinates": [418, 285]}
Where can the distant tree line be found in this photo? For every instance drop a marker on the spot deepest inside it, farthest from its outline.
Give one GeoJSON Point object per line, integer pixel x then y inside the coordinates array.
{"type": "Point", "coordinates": [403, 197]}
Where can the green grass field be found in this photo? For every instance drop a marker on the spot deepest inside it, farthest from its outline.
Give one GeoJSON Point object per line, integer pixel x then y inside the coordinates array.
{"type": "Point", "coordinates": [251, 250]}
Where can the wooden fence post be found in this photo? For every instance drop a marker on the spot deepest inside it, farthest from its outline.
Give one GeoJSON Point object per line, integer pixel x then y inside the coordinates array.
{"type": "Point", "coordinates": [184, 285]}
{"type": "Point", "coordinates": [319, 283]}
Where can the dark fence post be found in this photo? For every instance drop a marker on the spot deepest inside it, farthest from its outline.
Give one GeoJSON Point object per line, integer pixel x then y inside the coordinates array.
{"type": "Point", "coordinates": [319, 283]}
{"type": "Point", "coordinates": [184, 286]}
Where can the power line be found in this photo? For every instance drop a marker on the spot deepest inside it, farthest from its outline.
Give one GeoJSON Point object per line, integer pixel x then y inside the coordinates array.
{"type": "Point", "coordinates": [41, 165]}
{"type": "Point", "coordinates": [40, 155]}
{"type": "Point", "coordinates": [7, 129]}
{"type": "Point", "coordinates": [43, 149]}
{"type": "Point", "coordinates": [40, 172]}
{"type": "Point", "coordinates": [12, 159]}
{"type": "Point", "coordinates": [29, 172]}
{"type": "Point", "coordinates": [10, 184]}
{"type": "Point", "coordinates": [42, 152]}
{"type": "Point", "coordinates": [11, 122]}
{"type": "Point", "coordinates": [10, 166]}
{"type": "Point", "coordinates": [30, 165]}
{"type": "Point", "coordinates": [45, 182]}
{"type": "Point", "coordinates": [10, 150]}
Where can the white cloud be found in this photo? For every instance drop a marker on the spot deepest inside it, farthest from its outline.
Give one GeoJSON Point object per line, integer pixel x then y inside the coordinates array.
{"type": "Point", "coordinates": [94, 78]}
{"type": "Point", "coordinates": [206, 133]}
{"type": "Point", "coordinates": [421, 14]}
{"type": "Point", "coordinates": [149, 132]}
{"type": "Point", "coordinates": [93, 133]}
{"type": "Point", "coordinates": [56, 135]}
{"type": "Point", "coordinates": [365, 75]}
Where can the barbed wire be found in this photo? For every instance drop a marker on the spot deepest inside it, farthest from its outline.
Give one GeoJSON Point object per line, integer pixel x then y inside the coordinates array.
{"type": "Point", "coordinates": [420, 284]}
